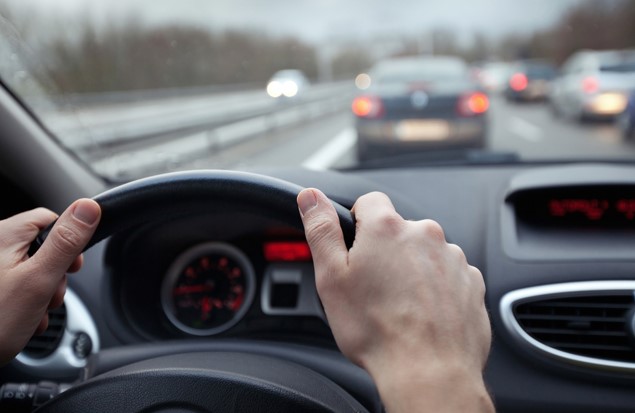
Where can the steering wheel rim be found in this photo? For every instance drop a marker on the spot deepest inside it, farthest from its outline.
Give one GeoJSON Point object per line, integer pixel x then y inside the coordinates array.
{"type": "Point", "coordinates": [188, 192]}
{"type": "Point", "coordinates": [221, 382]}
{"type": "Point", "coordinates": [182, 193]}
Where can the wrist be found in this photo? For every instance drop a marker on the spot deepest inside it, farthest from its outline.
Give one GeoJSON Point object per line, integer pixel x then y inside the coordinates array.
{"type": "Point", "coordinates": [439, 387]}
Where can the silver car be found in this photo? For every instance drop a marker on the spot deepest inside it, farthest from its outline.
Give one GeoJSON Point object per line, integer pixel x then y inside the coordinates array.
{"type": "Point", "coordinates": [594, 84]}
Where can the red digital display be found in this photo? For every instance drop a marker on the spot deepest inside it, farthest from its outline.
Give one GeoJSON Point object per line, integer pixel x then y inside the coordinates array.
{"type": "Point", "coordinates": [592, 209]}
{"type": "Point", "coordinates": [287, 251]}
{"type": "Point", "coordinates": [596, 208]}
{"type": "Point", "coordinates": [626, 207]}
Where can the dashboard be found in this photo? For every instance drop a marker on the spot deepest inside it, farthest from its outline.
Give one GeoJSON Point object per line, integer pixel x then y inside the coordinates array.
{"type": "Point", "coordinates": [223, 275]}
{"type": "Point", "coordinates": [555, 243]}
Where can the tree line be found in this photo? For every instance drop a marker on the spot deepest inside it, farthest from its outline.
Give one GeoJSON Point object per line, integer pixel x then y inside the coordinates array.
{"type": "Point", "coordinates": [129, 55]}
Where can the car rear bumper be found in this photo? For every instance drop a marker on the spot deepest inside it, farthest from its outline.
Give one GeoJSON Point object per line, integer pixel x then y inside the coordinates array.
{"type": "Point", "coordinates": [536, 90]}
{"type": "Point", "coordinates": [605, 105]}
{"type": "Point", "coordinates": [419, 135]}
{"type": "Point", "coordinates": [423, 132]}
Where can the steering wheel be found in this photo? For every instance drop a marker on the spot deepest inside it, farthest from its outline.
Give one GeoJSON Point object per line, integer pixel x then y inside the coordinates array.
{"type": "Point", "coordinates": [242, 378]}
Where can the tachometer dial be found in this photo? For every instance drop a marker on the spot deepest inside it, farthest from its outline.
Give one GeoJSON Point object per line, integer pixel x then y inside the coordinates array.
{"type": "Point", "coordinates": [208, 289]}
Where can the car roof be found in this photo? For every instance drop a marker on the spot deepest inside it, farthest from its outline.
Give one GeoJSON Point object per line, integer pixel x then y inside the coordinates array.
{"type": "Point", "coordinates": [602, 57]}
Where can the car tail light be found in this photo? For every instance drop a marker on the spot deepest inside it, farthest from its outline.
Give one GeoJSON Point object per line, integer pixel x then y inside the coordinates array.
{"type": "Point", "coordinates": [590, 84]}
{"type": "Point", "coordinates": [368, 107]}
{"type": "Point", "coordinates": [472, 104]}
{"type": "Point", "coordinates": [518, 82]}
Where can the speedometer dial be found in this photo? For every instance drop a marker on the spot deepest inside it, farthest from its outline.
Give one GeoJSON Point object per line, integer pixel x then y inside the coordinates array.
{"type": "Point", "coordinates": [208, 289]}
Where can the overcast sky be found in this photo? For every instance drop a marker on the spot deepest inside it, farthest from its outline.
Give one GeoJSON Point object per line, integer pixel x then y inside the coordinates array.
{"type": "Point", "coordinates": [321, 20]}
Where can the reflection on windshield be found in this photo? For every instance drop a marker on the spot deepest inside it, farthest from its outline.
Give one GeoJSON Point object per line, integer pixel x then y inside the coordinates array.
{"type": "Point", "coordinates": [149, 86]}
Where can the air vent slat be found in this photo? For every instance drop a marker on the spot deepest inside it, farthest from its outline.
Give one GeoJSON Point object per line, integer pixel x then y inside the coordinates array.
{"type": "Point", "coordinates": [593, 325]}
{"type": "Point", "coordinates": [601, 306]}
{"type": "Point", "coordinates": [548, 317]}
{"type": "Point", "coordinates": [596, 347]}
{"type": "Point", "coordinates": [43, 345]}
{"type": "Point", "coordinates": [556, 331]}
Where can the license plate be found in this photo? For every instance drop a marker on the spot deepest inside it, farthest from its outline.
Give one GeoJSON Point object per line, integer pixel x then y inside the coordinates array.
{"type": "Point", "coordinates": [422, 130]}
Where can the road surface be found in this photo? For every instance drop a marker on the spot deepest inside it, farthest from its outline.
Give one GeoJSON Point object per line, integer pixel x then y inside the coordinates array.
{"type": "Point", "coordinates": [320, 135]}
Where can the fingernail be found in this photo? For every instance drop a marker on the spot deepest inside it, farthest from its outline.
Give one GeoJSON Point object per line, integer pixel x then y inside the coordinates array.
{"type": "Point", "coordinates": [86, 211]}
{"type": "Point", "coordinates": [306, 201]}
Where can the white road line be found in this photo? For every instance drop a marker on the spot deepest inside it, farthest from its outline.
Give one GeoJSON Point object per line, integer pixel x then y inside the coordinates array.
{"type": "Point", "coordinates": [525, 129]}
{"type": "Point", "coordinates": [332, 151]}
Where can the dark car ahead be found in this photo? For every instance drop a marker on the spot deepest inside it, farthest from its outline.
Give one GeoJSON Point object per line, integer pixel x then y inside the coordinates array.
{"type": "Point", "coordinates": [530, 81]}
{"type": "Point", "coordinates": [419, 103]}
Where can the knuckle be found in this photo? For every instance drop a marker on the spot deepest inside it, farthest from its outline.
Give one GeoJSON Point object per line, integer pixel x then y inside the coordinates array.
{"type": "Point", "coordinates": [389, 221]}
{"type": "Point", "coordinates": [45, 211]}
{"type": "Point", "coordinates": [458, 253]}
{"type": "Point", "coordinates": [319, 227]}
{"type": "Point", "coordinates": [372, 196]}
{"type": "Point", "coordinates": [433, 230]}
{"type": "Point", "coordinates": [372, 200]}
{"type": "Point", "coordinates": [67, 240]}
{"type": "Point", "coordinates": [478, 279]}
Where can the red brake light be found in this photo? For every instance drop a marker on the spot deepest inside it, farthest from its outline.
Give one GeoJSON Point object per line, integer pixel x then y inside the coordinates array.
{"type": "Point", "coordinates": [476, 103]}
{"type": "Point", "coordinates": [367, 107]}
{"type": "Point", "coordinates": [287, 251]}
{"type": "Point", "coordinates": [590, 84]}
{"type": "Point", "coordinates": [518, 82]}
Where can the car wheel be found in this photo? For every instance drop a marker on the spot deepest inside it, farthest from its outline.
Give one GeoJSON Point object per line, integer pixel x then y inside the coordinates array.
{"type": "Point", "coordinates": [582, 118]}
{"type": "Point", "coordinates": [627, 127]}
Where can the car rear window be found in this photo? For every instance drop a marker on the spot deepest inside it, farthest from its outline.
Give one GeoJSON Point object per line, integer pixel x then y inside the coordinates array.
{"type": "Point", "coordinates": [624, 67]}
{"type": "Point", "coordinates": [541, 72]}
{"type": "Point", "coordinates": [424, 71]}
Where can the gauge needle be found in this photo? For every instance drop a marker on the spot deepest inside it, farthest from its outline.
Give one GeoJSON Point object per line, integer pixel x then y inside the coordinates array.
{"type": "Point", "coordinates": [189, 289]}
{"type": "Point", "coordinates": [206, 307]}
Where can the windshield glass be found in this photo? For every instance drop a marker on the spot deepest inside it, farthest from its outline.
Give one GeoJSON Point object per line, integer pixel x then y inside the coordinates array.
{"type": "Point", "coordinates": [135, 88]}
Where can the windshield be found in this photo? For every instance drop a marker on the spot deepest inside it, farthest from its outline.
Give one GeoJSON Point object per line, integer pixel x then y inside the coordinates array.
{"type": "Point", "coordinates": [135, 88]}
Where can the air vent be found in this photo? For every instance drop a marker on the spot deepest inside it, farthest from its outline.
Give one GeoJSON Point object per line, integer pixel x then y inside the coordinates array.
{"type": "Point", "coordinates": [43, 345]}
{"type": "Point", "coordinates": [588, 324]}
{"type": "Point", "coordinates": [592, 326]}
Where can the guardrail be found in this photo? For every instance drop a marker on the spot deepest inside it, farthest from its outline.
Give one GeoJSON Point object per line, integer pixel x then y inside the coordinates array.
{"type": "Point", "coordinates": [93, 129]}
{"type": "Point", "coordinates": [144, 95]}
{"type": "Point", "coordinates": [128, 140]}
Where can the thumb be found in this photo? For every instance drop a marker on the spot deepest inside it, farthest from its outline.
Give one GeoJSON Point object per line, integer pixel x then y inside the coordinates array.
{"type": "Point", "coordinates": [323, 231]}
{"type": "Point", "coordinates": [69, 236]}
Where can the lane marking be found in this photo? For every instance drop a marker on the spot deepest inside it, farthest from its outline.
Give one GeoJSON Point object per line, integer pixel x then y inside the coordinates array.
{"type": "Point", "coordinates": [525, 129]}
{"type": "Point", "coordinates": [332, 151]}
